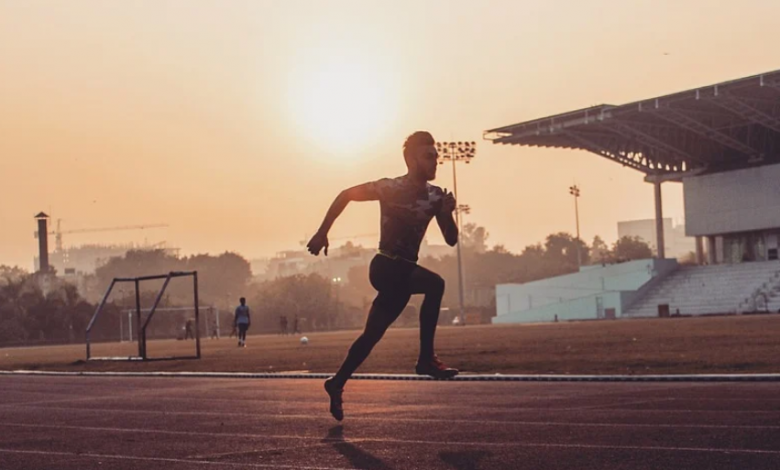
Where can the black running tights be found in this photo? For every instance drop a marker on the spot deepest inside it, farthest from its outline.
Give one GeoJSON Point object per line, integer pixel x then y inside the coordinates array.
{"type": "Point", "coordinates": [395, 281]}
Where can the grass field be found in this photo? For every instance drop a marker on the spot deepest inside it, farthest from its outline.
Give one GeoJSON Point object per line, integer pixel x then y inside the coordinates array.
{"type": "Point", "coordinates": [679, 345]}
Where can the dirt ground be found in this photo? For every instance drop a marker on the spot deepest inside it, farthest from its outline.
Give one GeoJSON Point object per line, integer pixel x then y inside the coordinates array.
{"type": "Point", "coordinates": [737, 344]}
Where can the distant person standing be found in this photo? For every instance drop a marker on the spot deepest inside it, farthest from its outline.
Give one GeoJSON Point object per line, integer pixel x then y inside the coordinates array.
{"type": "Point", "coordinates": [242, 321]}
{"type": "Point", "coordinates": [214, 330]}
{"type": "Point", "coordinates": [284, 325]}
{"type": "Point", "coordinates": [296, 330]}
{"type": "Point", "coordinates": [188, 332]}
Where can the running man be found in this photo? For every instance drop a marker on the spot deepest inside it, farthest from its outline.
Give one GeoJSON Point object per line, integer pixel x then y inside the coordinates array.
{"type": "Point", "coordinates": [242, 321]}
{"type": "Point", "coordinates": [407, 205]}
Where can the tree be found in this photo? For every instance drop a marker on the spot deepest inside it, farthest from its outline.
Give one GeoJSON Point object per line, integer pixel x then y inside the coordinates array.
{"type": "Point", "coordinates": [599, 251]}
{"type": "Point", "coordinates": [561, 250]}
{"type": "Point", "coordinates": [501, 249]}
{"type": "Point", "coordinates": [11, 273]}
{"type": "Point", "coordinates": [310, 297]}
{"type": "Point", "coordinates": [26, 313]}
{"type": "Point", "coordinates": [137, 263]}
{"type": "Point", "coordinates": [631, 248]}
{"type": "Point", "coordinates": [357, 292]}
{"type": "Point", "coordinates": [474, 238]}
{"type": "Point", "coordinates": [217, 275]}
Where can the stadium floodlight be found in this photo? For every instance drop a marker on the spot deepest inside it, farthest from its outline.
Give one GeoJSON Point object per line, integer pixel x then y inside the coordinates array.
{"type": "Point", "coordinates": [457, 152]}
{"type": "Point", "coordinates": [575, 191]}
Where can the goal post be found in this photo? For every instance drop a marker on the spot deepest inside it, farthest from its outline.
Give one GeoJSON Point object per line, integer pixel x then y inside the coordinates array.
{"type": "Point", "coordinates": [144, 323]}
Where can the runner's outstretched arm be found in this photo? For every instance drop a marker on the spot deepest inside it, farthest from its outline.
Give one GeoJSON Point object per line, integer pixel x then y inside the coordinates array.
{"type": "Point", "coordinates": [363, 192]}
{"type": "Point", "coordinates": [445, 220]}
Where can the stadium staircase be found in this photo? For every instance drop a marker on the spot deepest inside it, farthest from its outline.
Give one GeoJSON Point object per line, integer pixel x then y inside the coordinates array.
{"type": "Point", "coordinates": [723, 288]}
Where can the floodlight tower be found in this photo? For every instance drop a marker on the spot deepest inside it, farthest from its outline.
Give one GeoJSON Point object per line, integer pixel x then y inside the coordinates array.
{"type": "Point", "coordinates": [575, 191]}
{"type": "Point", "coordinates": [457, 152]}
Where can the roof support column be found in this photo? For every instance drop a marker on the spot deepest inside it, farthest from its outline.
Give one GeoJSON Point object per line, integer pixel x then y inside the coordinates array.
{"type": "Point", "coordinates": [712, 256]}
{"type": "Point", "coordinates": [659, 221]}
{"type": "Point", "coordinates": [699, 250]}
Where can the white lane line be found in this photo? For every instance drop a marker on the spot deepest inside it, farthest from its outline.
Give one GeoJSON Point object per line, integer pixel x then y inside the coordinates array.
{"type": "Point", "coordinates": [603, 406]}
{"type": "Point", "coordinates": [141, 431]}
{"type": "Point", "coordinates": [358, 417]}
{"type": "Point", "coordinates": [161, 459]}
{"type": "Point", "coordinates": [413, 377]}
{"type": "Point", "coordinates": [259, 451]}
{"type": "Point", "coordinates": [366, 409]}
{"type": "Point", "coordinates": [296, 397]}
{"type": "Point", "coordinates": [111, 395]}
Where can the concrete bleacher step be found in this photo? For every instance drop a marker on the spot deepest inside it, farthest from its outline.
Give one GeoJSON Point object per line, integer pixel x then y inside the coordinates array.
{"type": "Point", "coordinates": [711, 289]}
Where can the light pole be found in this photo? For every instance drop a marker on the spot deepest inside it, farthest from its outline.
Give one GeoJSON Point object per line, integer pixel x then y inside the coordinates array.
{"type": "Point", "coordinates": [227, 309]}
{"type": "Point", "coordinates": [575, 191]}
{"type": "Point", "coordinates": [462, 209]}
{"type": "Point", "coordinates": [337, 283]}
{"type": "Point", "coordinates": [457, 152]}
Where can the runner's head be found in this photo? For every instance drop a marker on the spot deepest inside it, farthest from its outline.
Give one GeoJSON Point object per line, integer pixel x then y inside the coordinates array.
{"type": "Point", "coordinates": [242, 300]}
{"type": "Point", "coordinates": [421, 155]}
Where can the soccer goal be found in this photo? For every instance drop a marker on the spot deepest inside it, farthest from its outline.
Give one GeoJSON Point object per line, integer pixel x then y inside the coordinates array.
{"type": "Point", "coordinates": [172, 322]}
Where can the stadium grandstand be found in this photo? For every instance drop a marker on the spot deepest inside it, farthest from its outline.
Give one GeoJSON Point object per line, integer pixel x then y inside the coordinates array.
{"type": "Point", "coordinates": [722, 142]}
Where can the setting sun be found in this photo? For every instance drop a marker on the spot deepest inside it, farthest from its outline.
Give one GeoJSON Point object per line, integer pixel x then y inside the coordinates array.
{"type": "Point", "coordinates": [341, 104]}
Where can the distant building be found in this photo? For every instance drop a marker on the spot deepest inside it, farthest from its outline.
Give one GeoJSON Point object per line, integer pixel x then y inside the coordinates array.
{"type": "Point", "coordinates": [335, 266]}
{"type": "Point", "coordinates": [291, 262]}
{"type": "Point", "coordinates": [85, 259]}
{"type": "Point", "coordinates": [677, 245]}
{"type": "Point", "coordinates": [436, 251]}
{"type": "Point", "coordinates": [77, 264]}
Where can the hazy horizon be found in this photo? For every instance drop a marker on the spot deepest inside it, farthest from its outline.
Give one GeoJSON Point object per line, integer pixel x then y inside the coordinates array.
{"type": "Point", "coordinates": [236, 123]}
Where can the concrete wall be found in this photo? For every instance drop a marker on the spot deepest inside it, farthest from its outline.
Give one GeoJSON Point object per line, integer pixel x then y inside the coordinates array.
{"type": "Point", "coordinates": [585, 308]}
{"type": "Point", "coordinates": [583, 295]}
{"type": "Point", "coordinates": [734, 201]}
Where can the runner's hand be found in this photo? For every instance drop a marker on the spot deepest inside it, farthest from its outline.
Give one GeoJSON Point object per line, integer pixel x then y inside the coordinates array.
{"type": "Point", "coordinates": [317, 243]}
{"type": "Point", "coordinates": [448, 206]}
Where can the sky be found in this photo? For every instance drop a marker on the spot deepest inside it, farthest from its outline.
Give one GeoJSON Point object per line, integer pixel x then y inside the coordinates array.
{"type": "Point", "coordinates": [237, 122]}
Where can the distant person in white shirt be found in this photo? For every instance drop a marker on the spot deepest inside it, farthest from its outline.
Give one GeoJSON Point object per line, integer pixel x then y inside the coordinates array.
{"type": "Point", "coordinates": [242, 321]}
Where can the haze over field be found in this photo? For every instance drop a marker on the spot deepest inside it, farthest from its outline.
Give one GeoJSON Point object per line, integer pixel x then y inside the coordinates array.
{"type": "Point", "coordinates": [237, 122]}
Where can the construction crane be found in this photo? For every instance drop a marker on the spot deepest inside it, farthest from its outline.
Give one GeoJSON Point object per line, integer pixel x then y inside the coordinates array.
{"type": "Point", "coordinates": [58, 233]}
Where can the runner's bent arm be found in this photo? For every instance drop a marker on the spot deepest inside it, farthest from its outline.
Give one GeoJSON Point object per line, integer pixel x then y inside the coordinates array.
{"type": "Point", "coordinates": [445, 220]}
{"type": "Point", "coordinates": [363, 192]}
{"type": "Point", "coordinates": [448, 228]}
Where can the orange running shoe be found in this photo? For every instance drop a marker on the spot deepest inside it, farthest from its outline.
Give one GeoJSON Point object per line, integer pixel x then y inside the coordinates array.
{"type": "Point", "coordinates": [435, 368]}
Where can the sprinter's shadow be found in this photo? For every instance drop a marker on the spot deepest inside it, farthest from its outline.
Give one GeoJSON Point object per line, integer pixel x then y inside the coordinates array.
{"type": "Point", "coordinates": [356, 456]}
{"type": "Point", "coordinates": [468, 460]}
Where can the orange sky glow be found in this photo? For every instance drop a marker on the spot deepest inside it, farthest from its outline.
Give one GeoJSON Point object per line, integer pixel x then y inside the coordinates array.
{"type": "Point", "coordinates": [238, 122]}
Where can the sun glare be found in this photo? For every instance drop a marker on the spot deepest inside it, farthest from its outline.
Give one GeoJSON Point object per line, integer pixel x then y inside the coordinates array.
{"type": "Point", "coordinates": [340, 105]}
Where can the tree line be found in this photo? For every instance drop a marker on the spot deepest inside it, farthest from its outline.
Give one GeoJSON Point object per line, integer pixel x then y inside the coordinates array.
{"type": "Point", "coordinates": [33, 311]}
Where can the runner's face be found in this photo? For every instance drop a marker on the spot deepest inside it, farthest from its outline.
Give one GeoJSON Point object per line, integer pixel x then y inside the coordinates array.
{"type": "Point", "coordinates": [427, 162]}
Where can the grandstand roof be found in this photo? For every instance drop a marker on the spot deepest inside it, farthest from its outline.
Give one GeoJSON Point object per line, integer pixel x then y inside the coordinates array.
{"type": "Point", "coordinates": [729, 125]}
